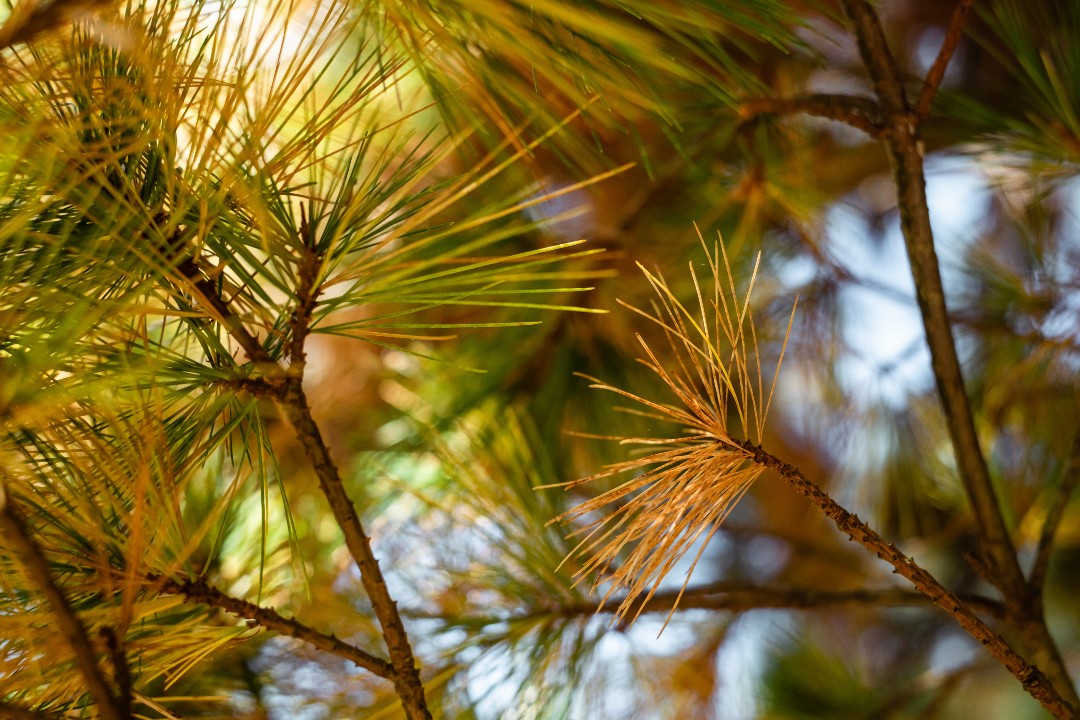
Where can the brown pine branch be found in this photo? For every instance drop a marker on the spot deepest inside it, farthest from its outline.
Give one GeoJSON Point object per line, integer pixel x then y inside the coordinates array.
{"type": "Point", "coordinates": [907, 162]}
{"type": "Point", "coordinates": [208, 296]}
{"type": "Point", "coordinates": [287, 389]}
{"type": "Point", "coordinates": [1031, 677]}
{"type": "Point", "coordinates": [1062, 494]}
{"type": "Point", "coordinates": [121, 669]}
{"type": "Point", "coordinates": [15, 712]}
{"type": "Point", "coordinates": [202, 592]}
{"type": "Point", "coordinates": [307, 294]}
{"type": "Point", "coordinates": [941, 62]}
{"type": "Point", "coordinates": [858, 112]}
{"type": "Point", "coordinates": [18, 539]}
{"type": "Point", "coordinates": [406, 676]}
{"type": "Point", "coordinates": [738, 598]}
{"type": "Point", "coordinates": [1023, 607]}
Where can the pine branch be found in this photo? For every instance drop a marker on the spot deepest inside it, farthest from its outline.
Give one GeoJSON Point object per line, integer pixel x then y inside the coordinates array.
{"type": "Point", "coordinates": [202, 592]}
{"type": "Point", "coordinates": [209, 297]}
{"type": "Point", "coordinates": [1034, 681]}
{"type": "Point", "coordinates": [306, 295]}
{"type": "Point", "coordinates": [287, 389]}
{"type": "Point", "coordinates": [1023, 607]}
{"type": "Point", "coordinates": [738, 598]}
{"type": "Point", "coordinates": [861, 113]}
{"type": "Point", "coordinates": [406, 676]}
{"type": "Point", "coordinates": [14, 712]}
{"type": "Point", "coordinates": [1062, 495]}
{"type": "Point", "coordinates": [941, 62]}
{"type": "Point", "coordinates": [37, 567]}
{"type": "Point", "coordinates": [121, 670]}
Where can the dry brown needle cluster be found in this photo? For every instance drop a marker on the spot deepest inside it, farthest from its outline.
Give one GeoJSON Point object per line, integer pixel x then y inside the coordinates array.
{"type": "Point", "coordinates": [685, 485]}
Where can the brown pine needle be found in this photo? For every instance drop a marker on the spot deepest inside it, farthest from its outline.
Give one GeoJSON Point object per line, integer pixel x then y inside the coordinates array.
{"type": "Point", "coordinates": [686, 486]}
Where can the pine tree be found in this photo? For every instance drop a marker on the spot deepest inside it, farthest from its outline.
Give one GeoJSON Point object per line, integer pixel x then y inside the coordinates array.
{"type": "Point", "coordinates": [378, 359]}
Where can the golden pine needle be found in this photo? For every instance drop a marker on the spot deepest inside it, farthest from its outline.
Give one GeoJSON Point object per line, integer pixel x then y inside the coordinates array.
{"type": "Point", "coordinates": [687, 485]}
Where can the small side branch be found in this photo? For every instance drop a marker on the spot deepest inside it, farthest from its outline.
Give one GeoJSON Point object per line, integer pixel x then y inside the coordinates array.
{"type": "Point", "coordinates": [739, 598]}
{"type": "Point", "coordinates": [307, 293]}
{"type": "Point", "coordinates": [206, 594]}
{"type": "Point", "coordinates": [858, 112]}
{"type": "Point", "coordinates": [937, 70]}
{"type": "Point", "coordinates": [1031, 677]}
{"type": "Point", "coordinates": [1064, 492]}
{"type": "Point", "coordinates": [18, 538]}
{"type": "Point", "coordinates": [208, 296]}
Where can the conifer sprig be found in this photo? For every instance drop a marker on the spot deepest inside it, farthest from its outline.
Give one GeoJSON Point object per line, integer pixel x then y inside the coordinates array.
{"type": "Point", "coordinates": [687, 484]}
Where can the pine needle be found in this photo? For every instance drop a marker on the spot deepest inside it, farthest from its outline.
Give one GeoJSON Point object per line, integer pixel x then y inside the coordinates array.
{"type": "Point", "coordinates": [686, 486]}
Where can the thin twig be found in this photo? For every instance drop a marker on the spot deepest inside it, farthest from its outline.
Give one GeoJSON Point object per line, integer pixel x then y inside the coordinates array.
{"type": "Point", "coordinates": [737, 597]}
{"type": "Point", "coordinates": [1030, 676]}
{"type": "Point", "coordinates": [1062, 494]}
{"type": "Point", "coordinates": [941, 62]}
{"type": "Point", "coordinates": [202, 592]}
{"type": "Point", "coordinates": [858, 112]}
{"type": "Point", "coordinates": [37, 567]}
{"type": "Point", "coordinates": [1023, 608]}
{"type": "Point", "coordinates": [208, 296]}
{"type": "Point", "coordinates": [307, 293]}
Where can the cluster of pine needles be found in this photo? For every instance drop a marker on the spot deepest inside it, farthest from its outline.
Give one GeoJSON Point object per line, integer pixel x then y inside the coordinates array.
{"type": "Point", "coordinates": [681, 487]}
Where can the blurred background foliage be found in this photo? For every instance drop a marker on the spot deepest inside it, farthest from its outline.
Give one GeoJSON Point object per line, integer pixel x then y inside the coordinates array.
{"type": "Point", "coordinates": [444, 154]}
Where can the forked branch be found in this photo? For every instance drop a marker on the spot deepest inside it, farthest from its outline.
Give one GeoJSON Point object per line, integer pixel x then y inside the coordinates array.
{"type": "Point", "coordinates": [286, 387]}
{"type": "Point", "coordinates": [941, 62]}
{"type": "Point", "coordinates": [1023, 606]}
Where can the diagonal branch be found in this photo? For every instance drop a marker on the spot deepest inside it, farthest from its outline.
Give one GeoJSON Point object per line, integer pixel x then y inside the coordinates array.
{"type": "Point", "coordinates": [37, 567]}
{"type": "Point", "coordinates": [941, 62]}
{"type": "Point", "coordinates": [907, 161]}
{"type": "Point", "coordinates": [1030, 676]}
{"type": "Point", "coordinates": [406, 676]}
{"type": "Point", "coordinates": [287, 389]}
{"type": "Point", "coordinates": [858, 112]}
{"type": "Point", "coordinates": [1023, 607]}
{"type": "Point", "coordinates": [1063, 493]}
{"type": "Point", "coordinates": [202, 592]}
{"type": "Point", "coordinates": [208, 295]}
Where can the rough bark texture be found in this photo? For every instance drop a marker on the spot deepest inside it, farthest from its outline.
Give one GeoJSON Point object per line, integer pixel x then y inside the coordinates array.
{"type": "Point", "coordinates": [1031, 677]}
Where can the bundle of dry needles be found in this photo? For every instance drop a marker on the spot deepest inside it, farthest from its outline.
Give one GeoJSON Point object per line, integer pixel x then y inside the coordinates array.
{"type": "Point", "coordinates": [686, 485]}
